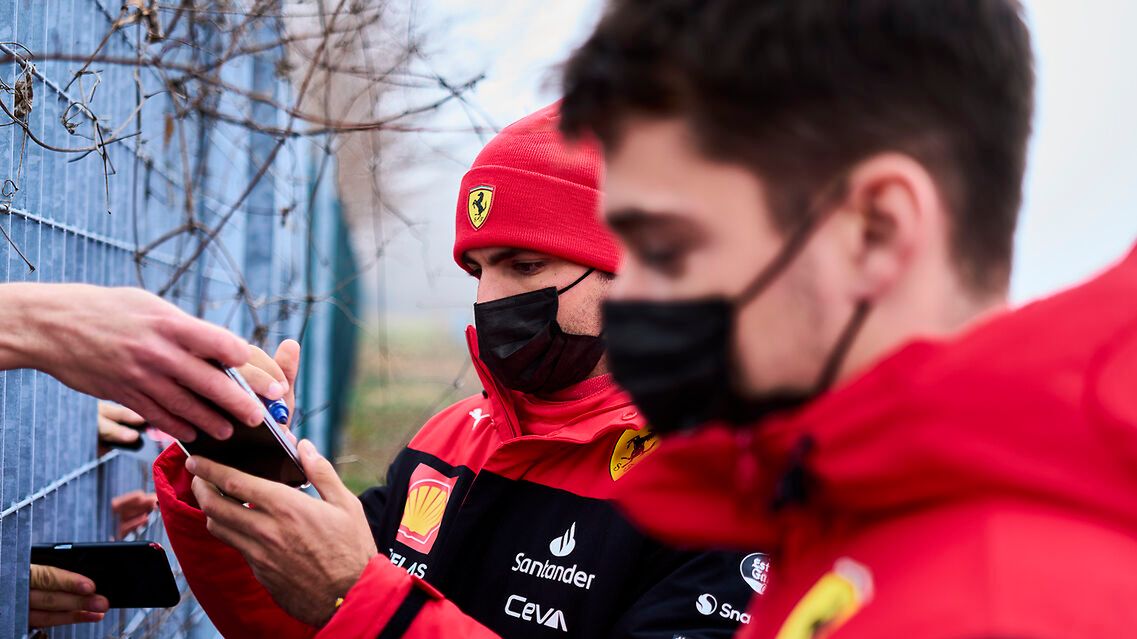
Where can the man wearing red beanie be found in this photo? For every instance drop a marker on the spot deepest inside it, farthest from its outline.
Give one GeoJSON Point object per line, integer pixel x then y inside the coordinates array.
{"type": "Point", "coordinates": [495, 520]}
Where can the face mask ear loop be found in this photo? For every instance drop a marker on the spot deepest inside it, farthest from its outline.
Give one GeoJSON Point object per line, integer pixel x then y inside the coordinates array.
{"type": "Point", "coordinates": [844, 345]}
{"type": "Point", "coordinates": [793, 247]}
{"type": "Point", "coordinates": [578, 281]}
{"type": "Point", "coordinates": [781, 261]}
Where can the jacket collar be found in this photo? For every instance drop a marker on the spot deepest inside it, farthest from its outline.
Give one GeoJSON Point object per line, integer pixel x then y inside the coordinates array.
{"type": "Point", "coordinates": [580, 413]}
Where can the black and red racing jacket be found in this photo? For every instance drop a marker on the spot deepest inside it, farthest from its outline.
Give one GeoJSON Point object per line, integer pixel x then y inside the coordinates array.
{"type": "Point", "coordinates": [496, 521]}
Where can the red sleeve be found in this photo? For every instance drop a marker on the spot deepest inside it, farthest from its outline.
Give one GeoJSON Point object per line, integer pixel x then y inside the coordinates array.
{"type": "Point", "coordinates": [385, 599]}
{"type": "Point", "coordinates": [237, 604]}
{"type": "Point", "coordinates": [387, 603]}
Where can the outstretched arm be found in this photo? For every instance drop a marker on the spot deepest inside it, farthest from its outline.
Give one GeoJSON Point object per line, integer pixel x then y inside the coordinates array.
{"type": "Point", "coordinates": [127, 345]}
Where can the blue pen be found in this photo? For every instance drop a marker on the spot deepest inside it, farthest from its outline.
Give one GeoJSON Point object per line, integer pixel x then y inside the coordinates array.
{"type": "Point", "coordinates": [278, 409]}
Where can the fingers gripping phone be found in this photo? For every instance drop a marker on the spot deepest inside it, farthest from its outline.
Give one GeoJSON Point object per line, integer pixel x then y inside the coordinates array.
{"type": "Point", "coordinates": [130, 574]}
{"type": "Point", "coordinates": [264, 451]}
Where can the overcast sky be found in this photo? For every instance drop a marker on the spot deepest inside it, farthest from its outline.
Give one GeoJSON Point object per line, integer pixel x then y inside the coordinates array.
{"type": "Point", "coordinates": [1081, 206]}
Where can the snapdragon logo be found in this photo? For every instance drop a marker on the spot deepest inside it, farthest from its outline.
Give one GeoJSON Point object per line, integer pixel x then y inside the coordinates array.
{"type": "Point", "coordinates": [708, 605]}
{"type": "Point", "coordinates": [519, 607]}
{"type": "Point", "coordinates": [564, 545]}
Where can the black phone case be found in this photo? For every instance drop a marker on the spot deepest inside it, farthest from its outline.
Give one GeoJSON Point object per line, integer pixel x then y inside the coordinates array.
{"type": "Point", "coordinates": [130, 574]}
{"type": "Point", "coordinates": [258, 451]}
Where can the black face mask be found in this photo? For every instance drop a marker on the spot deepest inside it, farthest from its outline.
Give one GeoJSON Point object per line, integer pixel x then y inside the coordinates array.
{"type": "Point", "coordinates": [524, 348]}
{"type": "Point", "coordinates": [674, 358]}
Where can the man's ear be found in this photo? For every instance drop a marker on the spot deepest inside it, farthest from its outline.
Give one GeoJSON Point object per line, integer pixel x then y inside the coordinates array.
{"type": "Point", "coordinates": [892, 202]}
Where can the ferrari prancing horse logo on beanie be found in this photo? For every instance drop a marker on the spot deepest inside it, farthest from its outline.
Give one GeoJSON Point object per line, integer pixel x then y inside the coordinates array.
{"type": "Point", "coordinates": [478, 205]}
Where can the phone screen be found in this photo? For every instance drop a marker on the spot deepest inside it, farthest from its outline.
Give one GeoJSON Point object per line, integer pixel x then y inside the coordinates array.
{"type": "Point", "coordinates": [263, 451]}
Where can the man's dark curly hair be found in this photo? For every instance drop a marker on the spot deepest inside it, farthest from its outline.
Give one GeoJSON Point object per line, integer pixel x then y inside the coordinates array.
{"type": "Point", "coordinates": [800, 91]}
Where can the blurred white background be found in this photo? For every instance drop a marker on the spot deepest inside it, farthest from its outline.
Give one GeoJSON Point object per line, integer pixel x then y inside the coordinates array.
{"type": "Point", "coordinates": [1081, 205]}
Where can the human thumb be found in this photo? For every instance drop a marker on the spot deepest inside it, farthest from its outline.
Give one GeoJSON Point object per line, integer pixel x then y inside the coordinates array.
{"type": "Point", "coordinates": [322, 474]}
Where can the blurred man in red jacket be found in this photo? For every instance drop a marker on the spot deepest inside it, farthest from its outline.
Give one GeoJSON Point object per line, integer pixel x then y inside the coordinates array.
{"type": "Point", "coordinates": [500, 502]}
{"type": "Point", "coordinates": [818, 201]}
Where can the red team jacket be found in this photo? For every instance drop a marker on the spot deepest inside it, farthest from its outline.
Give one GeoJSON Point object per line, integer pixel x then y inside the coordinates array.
{"type": "Point", "coordinates": [982, 487]}
{"type": "Point", "coordinates": [491, 532]}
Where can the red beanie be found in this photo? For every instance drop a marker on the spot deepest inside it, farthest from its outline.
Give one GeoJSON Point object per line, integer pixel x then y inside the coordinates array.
{"type": "Point", "coordinates": [531, 189]}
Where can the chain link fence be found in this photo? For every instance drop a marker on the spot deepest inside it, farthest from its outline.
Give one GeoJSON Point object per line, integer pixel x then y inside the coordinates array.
{"type": "Point", "coordinates": [235, 225]}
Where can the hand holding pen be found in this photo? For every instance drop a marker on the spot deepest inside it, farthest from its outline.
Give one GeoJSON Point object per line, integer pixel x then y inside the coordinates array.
{"type": "Point", "coordinates": [272, 379]}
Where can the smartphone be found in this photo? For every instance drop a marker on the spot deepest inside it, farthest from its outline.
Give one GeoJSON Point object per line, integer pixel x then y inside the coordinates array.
{"type": "Point", "coordinates": [130, 574]}
{"type": "Point", "coordinates": [264, 451]}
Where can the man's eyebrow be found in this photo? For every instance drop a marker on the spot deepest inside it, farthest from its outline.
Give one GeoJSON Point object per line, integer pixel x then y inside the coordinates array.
{"type": "Point", "coordinates": [497, 257]}
{"type": "Point", "coordinates": [630, 220]}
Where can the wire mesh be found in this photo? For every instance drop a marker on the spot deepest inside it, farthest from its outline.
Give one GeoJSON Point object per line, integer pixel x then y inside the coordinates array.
{"type": "Point", "coordinates": [101, 218]}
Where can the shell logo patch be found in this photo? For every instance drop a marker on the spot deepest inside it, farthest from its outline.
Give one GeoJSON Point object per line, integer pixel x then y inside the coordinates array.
{"type": "Point", "coordinates": [832, 601]}
{"type": "Point", "coordinates": [427, 496]}
{"type": "Point", "coordinates": [632, 446]}
{"type": "Point", "coordinates": [478, 205]}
